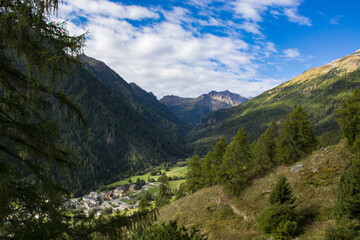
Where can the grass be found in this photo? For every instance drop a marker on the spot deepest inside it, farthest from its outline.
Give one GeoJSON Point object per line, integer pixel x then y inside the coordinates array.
{"type": "Point", "coordinates": [222, 216]}
{"type": "Point", "coordinates": [176, 171]}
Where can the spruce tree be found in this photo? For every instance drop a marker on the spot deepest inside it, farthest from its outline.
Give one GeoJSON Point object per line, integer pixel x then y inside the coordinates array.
{"type": "Point", "coordinates": [194, 177]}
{"type": "Point", "coordinates": [297, 137]}
{"type": "Point", "coordinates": [233, 171]}
{"type": "Point", "coordinates": [35, 53]}
{"type": "Point", "coordinates": [349, 119]}
{"type": "Point", "coordinates": [348, 196]}
{"type": "Point", "coordinates": [281, 193]}
{"type": "Point", "coordinates": [280, 219]}
{"type": "Point", "coordinates": [164, 195]}
{"type": "Point", "coordinates": [265, 149]}
{"type": "Point", "coordinates": [217, 156]}
{"type": "Point", "coordinates": [208, 169]}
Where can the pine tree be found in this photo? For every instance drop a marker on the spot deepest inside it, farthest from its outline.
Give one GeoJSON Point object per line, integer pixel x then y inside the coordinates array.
{"type": "Point", "coordinates": [233, 171]}
{"type": "Point", "coordinates": [218, 155]}
{"type": "Point", "coordinates": [35, 53]}
{"type": "Point", "coordinates": [281, 193]}
{"type": "Point", "coordinates": [280, 219]}
{"type": "Point", "coordinates": [194, 177]}
{"type": "Point", "coordinates": [265, 149]}
{"type": "Point", "coordinates": [208, 169]}
{"type": "Point", "coordinates": [297, 137]}
{"type": "Point", "coordinates": [349, 119]}
{"type": "Point", "coordinates": [348, 197]}
{"type": "Point", "coordinates": [164, 195]}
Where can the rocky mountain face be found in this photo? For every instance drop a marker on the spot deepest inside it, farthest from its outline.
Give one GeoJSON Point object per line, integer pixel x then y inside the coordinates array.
{"type": "Point", "coordinates": [318, 90]}
{"type": "Point", "coordinates": [192, 110]}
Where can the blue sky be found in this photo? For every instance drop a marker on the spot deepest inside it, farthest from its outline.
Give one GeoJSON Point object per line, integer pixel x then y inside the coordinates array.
{"type": "Point", "coordinates": [191, 47]}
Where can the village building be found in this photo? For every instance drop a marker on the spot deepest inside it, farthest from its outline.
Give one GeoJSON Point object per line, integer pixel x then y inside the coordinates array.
{"type": "Point", "coordinates": [132, 187]}
{"type": "Point", "coordinates": [119, 191]}
{"type": "Point", "coordinates": [93, 194]}
{"type": "Point", "coordinates": [89, 201]}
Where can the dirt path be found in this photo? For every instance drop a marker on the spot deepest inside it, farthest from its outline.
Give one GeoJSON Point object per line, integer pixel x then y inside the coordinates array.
{"type": "Point", "coordinates": [238, 212]}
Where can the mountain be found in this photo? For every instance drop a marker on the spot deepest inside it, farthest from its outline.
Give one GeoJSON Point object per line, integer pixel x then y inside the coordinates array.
{"type": "Point", "coordinates": [192, 110]}
{"type": "Point", "coordinates": [318, 90]}
{"type": "Point", "coordinates": [127, 132]}
{"type": "Point", "coordinates": [144, 103]}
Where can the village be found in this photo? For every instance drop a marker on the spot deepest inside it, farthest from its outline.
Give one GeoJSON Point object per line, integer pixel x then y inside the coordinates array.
{"type": "Point", "coordinates": [126, 194]}
{"type": "Point", "coordinates": [122, 198]}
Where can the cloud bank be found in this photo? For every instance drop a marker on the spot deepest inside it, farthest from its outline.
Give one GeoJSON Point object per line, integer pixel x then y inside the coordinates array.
{"type": "Point", "coordinates": [172, 51]}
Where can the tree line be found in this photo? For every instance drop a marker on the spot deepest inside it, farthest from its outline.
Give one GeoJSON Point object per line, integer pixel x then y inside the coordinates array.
{"type": "Point", "coordinates": [235, 164]}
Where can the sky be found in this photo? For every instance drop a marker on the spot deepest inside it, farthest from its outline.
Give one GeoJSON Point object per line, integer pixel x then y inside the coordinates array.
{"type": "Point", "coordinates": [191, 47]}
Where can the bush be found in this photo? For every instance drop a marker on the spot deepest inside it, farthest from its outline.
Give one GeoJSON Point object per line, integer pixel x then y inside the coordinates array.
{"type": "Point", "coordinates": [348, 197]}
{"type": "Point", "coordinates": [344, 230]}
{"type": "Point", "coordinates": [279, 221]}
{"type": "Point", "coordinates": [167, 231]}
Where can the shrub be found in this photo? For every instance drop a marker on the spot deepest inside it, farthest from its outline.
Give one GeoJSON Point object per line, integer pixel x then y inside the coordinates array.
{"type": "Point", "coordinates": [167, 231]}
{"type": "Point", "coordinates": [279, 221]}
{"type": "Point", "coordinates": [344, 230]}
{"type": "Point", "coordinates": [348, 198]}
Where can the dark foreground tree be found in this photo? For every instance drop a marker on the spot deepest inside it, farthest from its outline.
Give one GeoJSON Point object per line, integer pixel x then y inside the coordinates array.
{"type": "Point", "coordinates": [35, 53]}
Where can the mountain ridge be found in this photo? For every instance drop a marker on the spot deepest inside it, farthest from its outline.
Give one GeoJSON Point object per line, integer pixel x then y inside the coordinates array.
{"type": "Point", "coordinates": [192, 110]}
{"type": "Point", "coordinates": [318, 90]}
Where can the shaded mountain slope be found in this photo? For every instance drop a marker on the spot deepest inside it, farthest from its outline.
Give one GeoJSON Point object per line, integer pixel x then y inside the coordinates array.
{"type": "Point", "coordinates": [118, 141]}
{"type": "Point", "coordinates": [192, 110]}
{"type": "Point", "coordinates": [318, 91]}
{"type": "Point", "coordinates": [143, 102]}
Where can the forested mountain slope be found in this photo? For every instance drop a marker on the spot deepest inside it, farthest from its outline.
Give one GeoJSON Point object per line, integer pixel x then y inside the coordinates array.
{"type": "Point", "coordinates": [192, 110]}
{"type": "Point", "coordinates": [318, 91]}
{"type": "Point", "coordinates": [144, 103]}
{"type": "Point", "coordinates": [118, 140]}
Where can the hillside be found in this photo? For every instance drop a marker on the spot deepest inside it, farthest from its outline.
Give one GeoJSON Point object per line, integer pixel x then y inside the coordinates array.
{"type": "Point", "coordinates": [144, 103]}
{"type": "Point", "coordinates": [118, 142]}
{"type": "Point", "coordinates": [318, 91]}
{"type": "Point", "coordinates": [222, 216]}
{"type": "Point", "coordinates": [192, 110]}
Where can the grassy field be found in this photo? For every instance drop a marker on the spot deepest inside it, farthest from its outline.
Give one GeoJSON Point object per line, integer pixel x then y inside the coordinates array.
{"type": "Point", "coordinates": [176, 171]}
{"type": "Point", "coordinates": [227, 217]}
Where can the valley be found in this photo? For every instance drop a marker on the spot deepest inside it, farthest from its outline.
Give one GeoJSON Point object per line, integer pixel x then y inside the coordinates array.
{"type": "Point", "coordinates": [121, 120]}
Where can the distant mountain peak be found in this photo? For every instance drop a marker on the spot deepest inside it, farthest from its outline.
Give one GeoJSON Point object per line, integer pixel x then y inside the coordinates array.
{"type": "Point", "coordinates": [192, 110]}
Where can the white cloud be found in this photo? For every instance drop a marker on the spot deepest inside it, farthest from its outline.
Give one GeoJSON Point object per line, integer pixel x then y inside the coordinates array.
{"type": "Point", "coordinates": [293, 16]}
{"type": "Point", "coordinates": [170, 55]}
{"type": "Point", "coordinates": [252, 11]}
{"type": "Point", "coordinates": [291, 53]}
{"type": "Point", "coordinates": [106, 8]}
{"type": "Point", "coordinates": [335, 20]}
